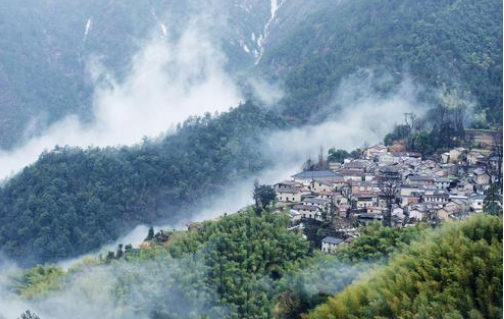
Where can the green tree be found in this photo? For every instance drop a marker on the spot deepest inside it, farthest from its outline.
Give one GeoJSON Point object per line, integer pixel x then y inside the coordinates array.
{"type": "Point", "coordinates": [29, 315]}
{"type": "Point", "coordinates": [337, 155]}
{"type": "Point", "coordinates": [455, 272]}
{"type": "Point", "coordinates": [150, 234]}
{"type": "Point", "coordinates": [264, 196]}
{"type": "Point", "coordinates": [492, 204]}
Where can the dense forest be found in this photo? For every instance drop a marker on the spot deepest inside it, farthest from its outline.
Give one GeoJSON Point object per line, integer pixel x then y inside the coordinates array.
{"type": "Point", "coordinates": [248, 265]}
{"type": "Point", "coordinates": [72, 201]}
{"type": "Point", "coordinates": [451, 44]}
{"type": "Point", "coordinates": [455, 273]}
{"type": "Point", "coordinates": [296, 64]}
{"type": "Point", "coordinates": [45, 73]}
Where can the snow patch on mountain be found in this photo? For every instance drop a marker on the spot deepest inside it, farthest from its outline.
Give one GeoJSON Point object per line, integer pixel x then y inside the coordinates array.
{"type": "Point", "coordinates": [274, 6]}
{"type": "Point", "coordinates": [163, 29]}
{"type": "Point", "coordinates": [89, 24]}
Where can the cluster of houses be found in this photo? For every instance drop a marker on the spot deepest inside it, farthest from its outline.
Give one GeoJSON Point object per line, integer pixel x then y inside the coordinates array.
{"type": "Point", "coordinates": [449, 189]}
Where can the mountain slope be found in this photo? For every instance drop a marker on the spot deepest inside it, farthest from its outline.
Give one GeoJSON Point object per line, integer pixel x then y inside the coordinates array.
{"type": "Point", "coordinates": [46, 48]}
{"type": "Point", "coordinates": [456, 44]}
{"type": "Point", "coordinates": [249, 266]}
{"type": "Point", "coordinates": [72, 201]}
{"type": "Point", "coordinates": [456, 273]}
{"type": "Point", "coordinates": [451, 43]}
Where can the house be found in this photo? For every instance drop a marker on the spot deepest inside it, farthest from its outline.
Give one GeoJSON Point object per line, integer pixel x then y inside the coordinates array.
{"type": "Point", "coordinates": [445, 157]}
{"type": "Point", "coordinates": [291, 195]}
{"type": "Point", "coordinates": [352, 174]}
{"type": "Point", "coordinates": [365, 199]}
{"type": "Point", "coordinates": [369, 177]}
{"type": "Point", "coordinates": [446, 213]}
{"type": "Point", "coordinates": [409, 190]}
{"type": "Point", "coordinates": [420, 180]}
{"type": "Point", "coordinates": [454, 206]}
{"type": "Point", "coordinates": [480, 177]}
{"type": "Point", "coordinates": [307, 177]}
{"type": "Point", "coordinates": [441, 182]}
{"type": "Point", "coordinates": [473, 157]}
{"type": "Point", "coordinates": [455, 154]}
{"type": "Point", "coordinates": [324, 195]}
{"type": "Point", "coordinates": [329, 244]}
{"type": "Point", "coordinates": [365, 218]}
{"type": "Point", "coordinates": [376, 150]}
{"type": "Point", "coordinates": [287, 185]}
{"type": "Point", "coordinates": [357, 165]}
{"type": "Point", "coordinates": [402, 156]}
{"type": "Point", "coordinates": [295, 216]}
{"type": "Point", "coordinates": [414, 198]}
{"type": "Point", "coordinates": [376, 210]}
{"type": "Point", "coordinates": [386, 158]}
{"type": "Point", "coordinates": [321, 185]}
{"type": "Point", "coordinates": [308, 211]}
{"type": "Point", "coordinates": [321, 204]}
{"type": "Point", "coordinates": [335, 166]}
{"type": "Point", "coordinates": [363, 187]}
{"type": "Point", "coordinates": [436, 197]}
{"type": "Point", "coordinates": [476, 203]}
{"type": "Point", "coordinates": [417, 212]}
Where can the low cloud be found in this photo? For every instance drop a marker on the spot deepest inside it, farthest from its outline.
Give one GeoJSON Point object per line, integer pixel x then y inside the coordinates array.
{"type": "Point", "coordinates": [266, 92]}
{"type": "Point", "coordinates": [122, 290]}
{"type": "Point", "coordinates": [366, 114]}
{"type": "Point", "coordinates": [170, 80]}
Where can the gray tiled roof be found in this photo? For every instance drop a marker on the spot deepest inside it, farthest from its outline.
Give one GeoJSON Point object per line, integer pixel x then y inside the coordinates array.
{"type": "Point", "coordinates": [332, 240]}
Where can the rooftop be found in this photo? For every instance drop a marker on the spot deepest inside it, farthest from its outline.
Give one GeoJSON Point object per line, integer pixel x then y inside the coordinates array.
{"type": "Point", "coordinates": [316, 174]}
{"type": "Point", "coordinates": [332, 240]}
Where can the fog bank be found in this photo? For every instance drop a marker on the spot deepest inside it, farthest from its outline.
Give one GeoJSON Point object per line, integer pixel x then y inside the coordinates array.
{"type": "Point", "coordinates": [170, 80]}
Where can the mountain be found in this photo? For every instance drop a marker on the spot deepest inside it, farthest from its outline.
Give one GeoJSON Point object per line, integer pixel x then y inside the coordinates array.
{"type": "Point", "coordinates": [454, 45]}
{"type": "Point", "coordinates": [47, 47]}
{"type": "Point", "coordinates": [250, 266]}
{"type": "Point", "coordinates": [308, 47]}
{"type": "Point", "coordinates": [72, 200]}
{"type": "Point", "coordinates": [455, 274]}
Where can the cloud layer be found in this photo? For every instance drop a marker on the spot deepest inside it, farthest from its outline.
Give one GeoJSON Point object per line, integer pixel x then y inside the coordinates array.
{"type": "Point", "coordinates": [170, 80]}
{"type": "Point", "coordinates": [360, 115]}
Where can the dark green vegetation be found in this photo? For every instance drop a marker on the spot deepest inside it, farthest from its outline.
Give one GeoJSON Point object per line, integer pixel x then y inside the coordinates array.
{"type": "Point", "coordinates": [311, 46]}
{"type": "Point", "coordinates": [246, 255]}
{"type": "Point", "coordinates": [75, 200]}
{"type": "Point", "coordinates": [223, 269]}
{"type": "Point", "coordinates": [455, 273]}
{"type": "Point", "coordinates": [264, 196]}
{"type": "Point", "coordinates": [377, 242]}
{"type": "Point", "coordinates": [250, 266]}
{"type": "Point", "coordinates": [45, 55]}
{"type": "Point", "coordinates": [451, 44]}
{"type": "Point", "coordinates": [493, 200]}
{"type": "Point", "coordinates": [72, 200]}
{"type": "Point", "coordinates": [29, 315]}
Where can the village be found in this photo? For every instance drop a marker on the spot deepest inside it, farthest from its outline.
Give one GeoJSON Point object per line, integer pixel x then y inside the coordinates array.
{"type": "Point", "coordinates": [397, 189]}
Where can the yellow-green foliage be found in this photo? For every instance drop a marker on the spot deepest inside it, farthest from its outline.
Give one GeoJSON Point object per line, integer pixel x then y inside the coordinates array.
{"type": "Point", "coordinates": [376, 241]}
{"type": "Point", "coordinates": [40, 280]}
{"type": "Point", "coordinates": [456, 273]}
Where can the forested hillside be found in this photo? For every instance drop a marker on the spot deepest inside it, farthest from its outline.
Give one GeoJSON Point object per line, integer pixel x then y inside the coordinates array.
{"type": "Point", "coordinates": [250, 266]}
{"type": "Point", "coordinates": [456, 273]}
{"type": "Point", "coordinates": [454, 45]}
{"type": "Point", "coordinates": [72, 200]}
{"type": "Point", "coordinates": [50, 47]}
